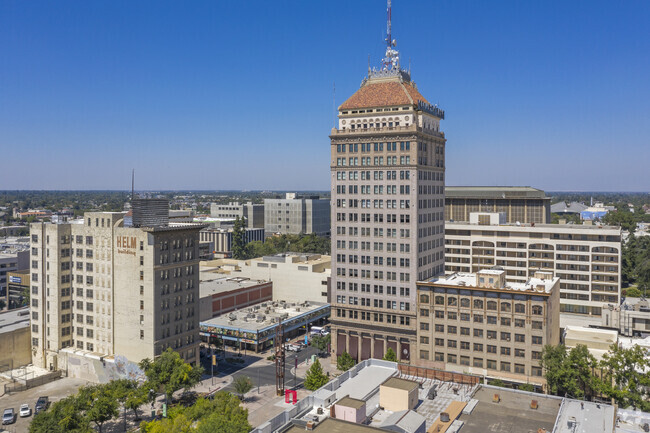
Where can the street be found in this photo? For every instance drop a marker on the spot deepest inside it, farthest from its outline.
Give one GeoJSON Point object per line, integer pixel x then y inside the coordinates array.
{"type": "Point", "coordinates": [265, 374]}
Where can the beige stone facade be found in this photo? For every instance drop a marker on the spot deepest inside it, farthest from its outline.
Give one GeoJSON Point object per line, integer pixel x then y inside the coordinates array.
{"type": "Point", "coordinates": [387, 179]}
{"type": "Point", "coordinates": [480, 324]}
{"type": "Point", "coordinates": [107, 289]}
{"type": "Point", "coordinates": [586, 258]}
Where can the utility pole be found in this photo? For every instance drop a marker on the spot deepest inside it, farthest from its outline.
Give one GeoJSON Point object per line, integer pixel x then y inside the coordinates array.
{"type": "Point", "coordinates": [278, 344]}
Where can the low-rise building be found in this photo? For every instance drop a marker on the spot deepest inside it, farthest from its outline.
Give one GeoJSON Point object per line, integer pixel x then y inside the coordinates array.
{"type": "Point", "coordinates": [16, 350]}
{"type": "Point", "coordinates": [220, 239]}
{"type": "Point", "coordinates": [586, 258]}
{"type": "Point", "coordinates": [459, 404]}
{"type": "Point", "coordinates": [481, 324]}
{"type": "Point", "coordinates": [18, 288]}
{"type": "Point", "coordinates": [253, 214]}
{"type": "Point", "coordinates": [254, 328]}
{"type": "Point", "coordinates": [297, 215]}
{"type": "Point", "coordinates": [10, 262]}
{"type": "Point", "coordinates": [296, 277]}
{"type": "Point", "coordinates": [631, 318]}
{"type": "Point", "coordinates": [225, 294]}
{"type": "Point", "coordinates": [598, 341]}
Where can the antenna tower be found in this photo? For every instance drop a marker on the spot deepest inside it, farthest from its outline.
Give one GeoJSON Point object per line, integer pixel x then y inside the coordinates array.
{"type": "Point", "coordinates": [389, 39]}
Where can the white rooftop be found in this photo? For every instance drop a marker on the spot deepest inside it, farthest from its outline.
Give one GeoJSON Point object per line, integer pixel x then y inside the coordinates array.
{"type": "Point", "coordinates": [469, 280]}
{"type": "Point", "coordinates": [584, 417]}
{"type": "Point", "coordinates": [220, 284]}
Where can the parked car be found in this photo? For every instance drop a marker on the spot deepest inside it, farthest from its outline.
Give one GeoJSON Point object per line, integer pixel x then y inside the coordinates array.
{"type": "Point", "coordinates": [9, 416]}
{"type": "Point", "coordinates": [292, 348]}
{"type": "Point", "coordinates": [25, 410]}
{"type": "Point", "coordinates": [41, 404]}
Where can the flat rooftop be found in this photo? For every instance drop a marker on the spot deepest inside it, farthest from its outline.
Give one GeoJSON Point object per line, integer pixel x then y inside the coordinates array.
{"type": "Point", "coordinates": [365, 382]}
{"type": "Point", "coordinates": [527, 227]}
{"type": "Point", "coordinates": [332, 425]}
{"type": "Point", "coordinates": [14, 319]}
{"type": "Point", "coordinates": [512, 413]}
{"type": "Point", "coordinates": [221, 284]}
{"type": "Point", "coordinates": [403, 384]}
{"type": "Point", "coordinates": [495, 192]}
{"type": "Point", "coordinates": [469, 280]}
{"type": "Point", "coordinates": [302, 258]}
{"type": "Point", "coordinates": [263, 315]}
{"type": "Point", "coordinates": [351, 402]}
{"type": "Point", "coordinates": [588, 417]}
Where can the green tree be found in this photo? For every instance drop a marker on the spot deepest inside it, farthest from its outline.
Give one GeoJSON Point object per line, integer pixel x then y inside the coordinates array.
{"type": "Point", "coordinates": [570, 372]}
{"type": "Point", "coordinates": [239, 250]}
{"type": "Point", "coordinates": [321, 342]}
{"type": "Point", "coordinates": [632, 292]}
{"type": "Point", "coordinates": [121, 389]}
{"type": "Point", "coordinates": [345, 362]}
{"type": "Point", "coordinates": [99, 403]}
{"type": "Point", "coordinates": [553, 363]}
{"type": "Point", "coordinates": [228, 416]}
{"type": "Point", "coordinates": [630, 382]}
{"type": "Point", "coordinates": [527, 387]}
{"type": "Point", "coordinates": [169, 372]}
{"type": "Point", "coordinates": [242, 385]}
{"type": "Point", "coordinates": [497, 382]}
{"type": "Point", "coordinates": [63, 416]}
{"type": "Point", "coordinates": [178, 424]}
{"type": "Point", "coordinates": [136, 398]}
{"type": "Point", "coordinates": [315, 378]}
{"type": "Point", "coordinates": [390, 355]}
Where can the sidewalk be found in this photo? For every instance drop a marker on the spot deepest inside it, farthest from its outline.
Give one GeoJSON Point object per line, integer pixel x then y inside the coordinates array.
{"type": "Point", "coordinates": [328, 367]}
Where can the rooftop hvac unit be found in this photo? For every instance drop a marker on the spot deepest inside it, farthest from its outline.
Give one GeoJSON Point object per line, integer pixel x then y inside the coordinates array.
{"type": "Point", "coordinates": [444, 417]}
{"type": "Point", "coordinates": [571, 422]}
{"type": "Point", "coordinates": [298, 309]}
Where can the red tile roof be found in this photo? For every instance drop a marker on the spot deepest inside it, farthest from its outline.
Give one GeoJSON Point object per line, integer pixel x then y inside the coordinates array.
{"type": "Point", "coordinates": [383, 94]}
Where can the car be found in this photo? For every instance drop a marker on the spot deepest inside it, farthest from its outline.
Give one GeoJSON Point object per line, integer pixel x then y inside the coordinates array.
{"type": "Point", "coordinates": [292, 348]}
{"type": "Point", "coordinates": [41, 404]}
{"type": "Point", "coordinates": [9, 416]}
{"type": "Point", "coordinates": [25, 410]}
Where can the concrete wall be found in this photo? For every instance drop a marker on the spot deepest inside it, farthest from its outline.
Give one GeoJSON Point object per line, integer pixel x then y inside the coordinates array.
{"type": "Point", "coordinates": [15, 348]}
{"type": "Point", "coordinates": [351, 414]}
{"type": "Point", "coordinates": [290, 283]}
{"type": "Point", "coordinates": [95, 369]}
{"type": "Point", "coordinates": [395, 399]}
{"type": "Point", "coordinates": [220, 303]}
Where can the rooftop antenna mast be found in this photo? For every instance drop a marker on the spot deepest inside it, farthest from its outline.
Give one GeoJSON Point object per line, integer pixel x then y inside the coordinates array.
{"type": "Point", "coordinates": [389, 39]}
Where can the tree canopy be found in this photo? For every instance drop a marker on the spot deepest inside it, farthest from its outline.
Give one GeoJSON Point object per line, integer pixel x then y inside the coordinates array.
{"type": "Point", "coordinates": [223, 413]}
{"type": "Point", "coordinates": [621, 374]}
{"type": "Point", "coordinates": [169, 372]}
{"type": "Point", "coordinates": [344, 362]}
{"type": "Point", "coordinates": [390, 355]}
{"type": "Point", "coordinates": [315, 378]}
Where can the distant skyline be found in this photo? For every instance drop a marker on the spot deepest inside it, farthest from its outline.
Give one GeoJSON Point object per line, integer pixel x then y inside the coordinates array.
{"type": "Point", "coordinates": [239, 95]}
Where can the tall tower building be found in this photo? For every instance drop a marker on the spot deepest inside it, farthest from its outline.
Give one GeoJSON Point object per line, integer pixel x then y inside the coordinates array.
{"type": "Point", "coordinates": [104, 288]}
{"type": "Point", "coordinates": [388, 178]}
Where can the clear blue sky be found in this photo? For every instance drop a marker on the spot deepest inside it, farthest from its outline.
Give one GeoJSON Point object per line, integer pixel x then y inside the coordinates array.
{"type": "Point", "coordinates": [238, 94]}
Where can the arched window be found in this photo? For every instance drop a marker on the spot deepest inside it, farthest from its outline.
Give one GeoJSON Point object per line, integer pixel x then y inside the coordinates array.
{"type": "Point", "coordinates": [520, 308]}
{"type": "Point", "coordinates": [492, 305]}
{"type": "Point", "coordinates": [537, 310]}
{"type": "Point", "coordinates": [452, 301]}
{"type": "Point", "coordinates": [478, 303]}
{"type": "Point", "coordinates": [464, 302]}
{"type": "Point", "coordinates": [440, 300]}
{"type": "Point", "coordinates": [506, 307]}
